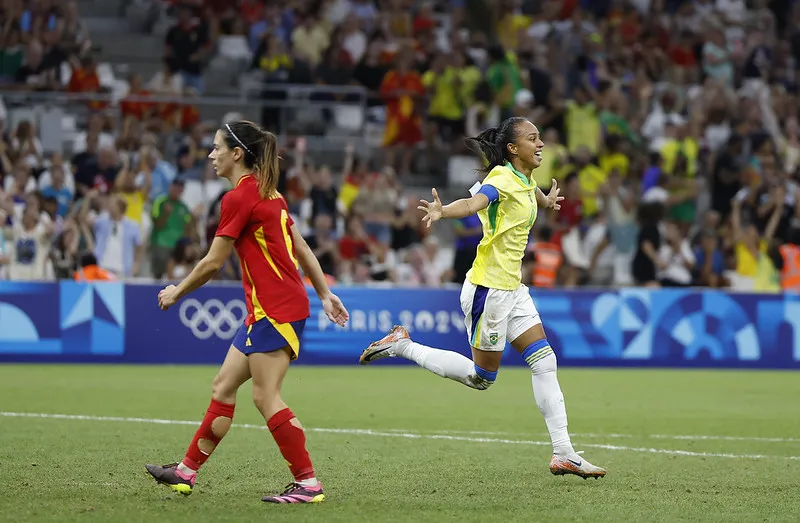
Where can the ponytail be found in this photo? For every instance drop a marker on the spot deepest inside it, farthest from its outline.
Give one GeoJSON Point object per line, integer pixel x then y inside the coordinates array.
{"type": "Point", "coordinates": [492, 143]}
{"type": "Point", "coordinates": [490, 151]}
{"type": "Point", "coordinates": [267, 166]}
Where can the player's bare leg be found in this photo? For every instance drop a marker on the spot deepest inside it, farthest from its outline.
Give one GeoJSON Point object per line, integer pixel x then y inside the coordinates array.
{"type": "Point", "coordinates": [479, 374]}
{"type": "Point", "coordinates": [268, 370]}
{"type": "Point", "coordinates": [181, 476]}
{"type": "Point", "coordinates": [536, 350]}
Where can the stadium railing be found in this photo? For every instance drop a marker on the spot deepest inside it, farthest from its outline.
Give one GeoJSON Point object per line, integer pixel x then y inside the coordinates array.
{"type": "Point", "coordinates": [328, 115]}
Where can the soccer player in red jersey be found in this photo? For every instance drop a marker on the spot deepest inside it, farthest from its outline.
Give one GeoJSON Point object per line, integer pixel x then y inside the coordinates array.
{"type": "Point", "coordinates": [255, 221]}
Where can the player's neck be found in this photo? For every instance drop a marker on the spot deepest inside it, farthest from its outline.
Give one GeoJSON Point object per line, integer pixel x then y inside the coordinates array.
{"type": "Point", "coordinates": [522, 169]}
{"type": "Point", "coordinates": [237, 174]}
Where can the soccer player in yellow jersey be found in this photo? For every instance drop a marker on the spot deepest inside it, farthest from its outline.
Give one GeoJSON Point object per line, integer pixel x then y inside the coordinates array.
{"type": "Point", "coordinates": [497, 306]}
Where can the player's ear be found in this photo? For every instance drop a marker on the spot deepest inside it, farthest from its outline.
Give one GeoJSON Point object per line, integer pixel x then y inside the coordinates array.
{"type": "Point", "coordinates": [512, 148]}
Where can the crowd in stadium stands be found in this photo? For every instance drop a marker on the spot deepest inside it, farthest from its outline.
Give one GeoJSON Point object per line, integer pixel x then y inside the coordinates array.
{"type": "Point", "coordinates": [671, 125]}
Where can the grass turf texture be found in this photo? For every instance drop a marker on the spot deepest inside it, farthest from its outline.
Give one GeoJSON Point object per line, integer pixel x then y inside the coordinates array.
{"type": "Point", "coordinates": [92, 470]}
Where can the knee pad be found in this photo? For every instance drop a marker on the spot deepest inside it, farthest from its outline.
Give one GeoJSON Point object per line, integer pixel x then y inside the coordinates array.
{"type": "Point", "coordinates": [540, 357]}
{"type": "Point", "coordinates": [482, 379]}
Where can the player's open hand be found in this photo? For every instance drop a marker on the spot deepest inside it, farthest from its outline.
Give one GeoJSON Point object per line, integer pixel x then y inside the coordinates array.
{"type": "Point", "coordinates": [334, 309]}
{"type": "Point", "coordinates": [553, 198]}
{"type": "Point", "coordinates": [433, 210]}
{"type": "Point", "coordinates": [167, 297]}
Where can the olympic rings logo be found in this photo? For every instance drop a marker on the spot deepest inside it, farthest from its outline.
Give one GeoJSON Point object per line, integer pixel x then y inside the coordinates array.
{"type": "Point", "coordinates": [213, 317]}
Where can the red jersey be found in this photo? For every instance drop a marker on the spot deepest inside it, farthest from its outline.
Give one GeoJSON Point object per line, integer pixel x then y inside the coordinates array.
{"type": "Point", "coordinates": [263, 240]}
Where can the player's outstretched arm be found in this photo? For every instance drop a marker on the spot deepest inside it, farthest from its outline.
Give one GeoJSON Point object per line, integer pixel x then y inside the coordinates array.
{"type": "Point", "coordinates": [205, 269]}
{"type": "Point", "coordinates": [331, 303]}
{"type": "Point", "coordinates": [435, 211]}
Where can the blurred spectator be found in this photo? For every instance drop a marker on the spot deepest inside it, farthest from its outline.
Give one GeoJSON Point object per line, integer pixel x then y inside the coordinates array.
{"type": "Point", "coordinates": [790, 252]}
{"type": "Point", "coordinates": [311, 39]}
{"type": "Point", "coordinates": [406, 225]}
{"type": "Point", "coordinates": [188, 43]}
{"type": "Point", "coordinates": [676, 261]}
{"type": "Point", "coordinates": [403, 91]}
{"type": "Point", "coordinates": [95, 130]}
{"type": "Point", "coordinates": [754, 269]}
{"type": "Point", "coordinates": [323, 194]}
{"type": "Point", "coordinates": [160, 172]}
{"type": "Point", "coordinates": [355, 244]}
{"type": "Point", "coordinates": [74, 33]}
{"type": "Point", "coordinates": [117, 238]}
{"type": "Point", "coordinates": [646, 261]}
{"type": "Point", "coordinates": [710, 261]}
{"type": "Point", "coordinates": [88, 270]}
{"type": "Point", "coordinates": [12, 55]}
{"type": "Point", "coordinates": [98, 172]}
{"type": "Point", "coordinates": [269, 20]}
{"type": "Point", "coordinates": [35, 73]}
{"type": "Point", "coordinates": [26, 146]}
{"type": "Point", "coordinates": [30, 240]}
{"type": "Point", "coordinates": [468, 231]}
{"type": "Point", "coordinates": [20, 182]}
{"type": "Point", "coordinates": [371, 69]}
{"type": "Point", "coordinates": [543, 259]}
{"type": "Point", "coordinates": [57, 189]}
{"type": "Point", "coordinates": [171, 218]}
{"type": "Point", "coordinates": [323, 243]}
{"type": "Point", "coordinates": [681, 111]}
{"type": "Point", "coordinates": [376, 202]}
{"type": "Point", "coordinates": [182, 260]}
{"type": "Point", "coordinates": [84, 79]}
{"type": "Point", "coordinates": [135, 197]}
{"type": "Point", "coordinates": [64, 253]}
{"type": "Point", "coordinates": [168, 81]}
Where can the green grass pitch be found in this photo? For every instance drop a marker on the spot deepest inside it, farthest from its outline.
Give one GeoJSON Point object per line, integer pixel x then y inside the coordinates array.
{"type": "Point", "coordinates": [399, 444]}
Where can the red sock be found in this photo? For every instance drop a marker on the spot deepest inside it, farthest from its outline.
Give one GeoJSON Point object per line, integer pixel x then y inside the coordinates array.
{"type": "Point", "coordinates": [291, 441]}
{"type": "Point", "coordinates": [194, 456]}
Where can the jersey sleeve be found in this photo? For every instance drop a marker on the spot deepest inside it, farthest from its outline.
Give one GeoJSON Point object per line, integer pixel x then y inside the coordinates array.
{"type": "Point", "coordinates": [234, 215]}
{"type": "Point", "coordinates": [498, 179]}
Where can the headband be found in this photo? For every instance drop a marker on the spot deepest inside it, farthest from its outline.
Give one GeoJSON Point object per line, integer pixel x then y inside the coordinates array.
{"type": "Point", "coordinates": [238, 140]}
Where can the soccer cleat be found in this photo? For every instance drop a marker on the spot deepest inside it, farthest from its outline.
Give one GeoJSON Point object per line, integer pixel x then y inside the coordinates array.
{"type": "Point", "coordinates": [575, 464]}
{"type": "Point", "coordinates": [171, 476]}
{"type": "Point", "coordinates": [297, 493]}
{"type": "Point", "coordinates": [384, 348]}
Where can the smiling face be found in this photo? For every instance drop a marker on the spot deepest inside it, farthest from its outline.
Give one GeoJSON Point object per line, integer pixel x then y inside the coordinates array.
{"type": "Point", "coordinates": [528, 146]}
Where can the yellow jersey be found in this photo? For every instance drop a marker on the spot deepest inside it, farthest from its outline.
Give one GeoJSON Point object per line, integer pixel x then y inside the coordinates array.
{"type": "Point", "coordinates": [672, 148]}
{"type": "Point", "coordinates": [135, 205]}
{"type": "Point", "coordinates": [583, 127]}
{"type": "Point", "coordinates": [506, 225]}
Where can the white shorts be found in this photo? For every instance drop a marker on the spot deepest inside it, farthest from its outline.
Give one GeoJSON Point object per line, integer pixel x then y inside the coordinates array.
{"type": "Point", "coordinates": [494, 316]}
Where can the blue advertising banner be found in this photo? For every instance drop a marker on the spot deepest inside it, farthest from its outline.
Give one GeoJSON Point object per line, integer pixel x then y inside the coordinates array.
{"type": "Point", "coordinates": [116, 323]}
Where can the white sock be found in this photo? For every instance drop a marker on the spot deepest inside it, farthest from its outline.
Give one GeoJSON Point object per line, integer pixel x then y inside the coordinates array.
{"type": "Point", "coordinates": [310, 482]}
{"type": "Point", "coordinates": [444, 363]}
{"type": "Point", "coordinates": [186, 470]}
{"type": "Point", "coordinates": [549, 399]}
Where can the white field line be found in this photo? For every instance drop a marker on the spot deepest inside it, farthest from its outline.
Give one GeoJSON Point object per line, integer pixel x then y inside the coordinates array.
{"type": "Point", "coordinates": [708, 437]}
{"type": "Point", "coordinates": [399, 434]}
